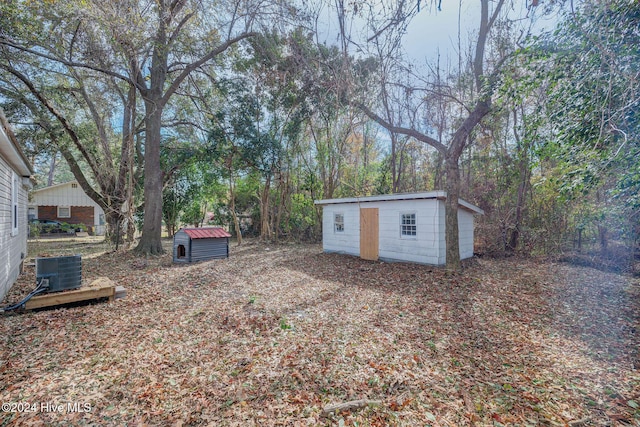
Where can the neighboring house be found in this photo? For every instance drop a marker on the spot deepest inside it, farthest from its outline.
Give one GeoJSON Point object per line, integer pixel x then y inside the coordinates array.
{"type": "Point", "coordinates": [68, 203]}
{"type": "Point", "coordinates": [396, 227]}
{"type": "Point", "coordinates": [14, 187]}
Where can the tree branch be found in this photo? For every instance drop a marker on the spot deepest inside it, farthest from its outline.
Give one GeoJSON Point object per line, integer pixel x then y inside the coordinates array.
{"type": "Point", "coordinates": [63, 121]}
{"type": "Point", "coordinates": [401, 130]}
{"type": "Point", "coordinates": [194, 65]}
{"type": "Point", "coordinates": [6, 42]}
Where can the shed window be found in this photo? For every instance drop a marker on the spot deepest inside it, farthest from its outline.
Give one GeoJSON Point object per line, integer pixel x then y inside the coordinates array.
{"type": "Point", "coordinates": [338, 221]}
{"type": "Point", "coordinates": [408, 226]}
{"type": "Point", "coordinates": [14, 205]}
{"type": "Point", "coordinates": [74, 185]}
{"type": "Point", "coordinates": [64, 212]}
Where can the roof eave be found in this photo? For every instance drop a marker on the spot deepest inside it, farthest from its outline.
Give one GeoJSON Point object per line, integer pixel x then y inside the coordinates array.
{"type": "Point", "coordinates": [439, 195]}
{"type": "Point", "coordinates": [10, 149]}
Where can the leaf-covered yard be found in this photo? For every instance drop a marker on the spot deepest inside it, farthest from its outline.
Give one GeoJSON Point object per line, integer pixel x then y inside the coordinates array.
{"type": "Point", "coordinates": [274, 334]}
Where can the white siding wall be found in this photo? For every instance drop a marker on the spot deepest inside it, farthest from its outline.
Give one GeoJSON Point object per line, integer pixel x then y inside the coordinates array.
{"type": "Point", "coordinates": [465, 225]}
{"type": "Point", "coordinates": [429, 245]}
{"type": "Point", "coordinates": [62, 195]}
{"type": "Point", "coordinates": [12, 248]}
{"type": "Point", "coordinates": [465, 233]}
{"type": "Point", "coordinates": [442, 225]}
{"type": "Point", "coordinates": [347, 241]}
{"type": "Point", "coordinates": [424, 247]}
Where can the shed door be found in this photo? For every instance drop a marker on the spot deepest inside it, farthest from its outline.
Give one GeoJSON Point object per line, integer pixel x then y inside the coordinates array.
{"type": "Point", "coordinates": [369, 233]}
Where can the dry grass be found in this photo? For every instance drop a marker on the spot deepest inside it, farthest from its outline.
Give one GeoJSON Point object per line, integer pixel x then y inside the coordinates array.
{"type": "Point", "coordinates": [273, 334]}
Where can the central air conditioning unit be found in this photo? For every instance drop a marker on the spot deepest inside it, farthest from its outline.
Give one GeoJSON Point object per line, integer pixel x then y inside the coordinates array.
{"type": "Point", "coordinates": [62, 273]}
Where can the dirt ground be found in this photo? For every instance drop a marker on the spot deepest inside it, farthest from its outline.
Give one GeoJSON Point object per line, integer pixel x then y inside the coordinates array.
{"type": "Point", "coordinates": [276, 333]}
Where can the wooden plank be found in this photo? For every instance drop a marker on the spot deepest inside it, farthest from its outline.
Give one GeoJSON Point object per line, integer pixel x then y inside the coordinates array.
{"type": "Point", "coordinates": [101, 288]}
{"type": "Point", "coordinates": [369, 234]}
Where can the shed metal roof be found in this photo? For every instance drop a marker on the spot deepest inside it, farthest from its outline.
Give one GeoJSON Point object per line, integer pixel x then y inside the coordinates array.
{"type": "Point", "coordinates": [206, 233]}
{"type": "Point", "coordinates": [400, 196]}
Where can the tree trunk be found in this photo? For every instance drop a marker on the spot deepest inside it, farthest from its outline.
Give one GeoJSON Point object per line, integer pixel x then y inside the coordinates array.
{"type": "Point", "coordinates": [394, 164]}
{"type": "Point", "coordinates": [52, 169]}
{"type": "Point", "coordinates": [265, 224]}
{"type": "Point", "coordinates": [515, 234]}
{"type": "Point", "coordinates": [602, 236]}
{"type": "Point", "coordinates": [579, 240]}
{"type": "Point", "coordinates": [151, 240]}
{"type": "Point", "coordinates": [232, 208]}
{"type": "Point", "coordinates": [451, 215]}
{"type": "Point", "coordinates": [115, 221]}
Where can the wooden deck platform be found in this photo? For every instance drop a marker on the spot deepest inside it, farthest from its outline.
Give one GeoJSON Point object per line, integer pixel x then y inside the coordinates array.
{"type": "Point", "coordinates": [99, 288]}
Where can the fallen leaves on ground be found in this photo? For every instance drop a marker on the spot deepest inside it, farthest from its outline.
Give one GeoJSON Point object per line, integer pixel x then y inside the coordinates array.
{"type": "Point", "coordinates": [275, 333]}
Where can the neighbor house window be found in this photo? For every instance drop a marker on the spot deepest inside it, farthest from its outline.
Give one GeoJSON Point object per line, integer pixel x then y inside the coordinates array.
{"type": "Point", "coordinates": [74, 185]}
{"type": "Point", "coordinates": [64, 212]}
{"type": "Point", "coordinates": [14, 204]}
{"type": "Point", "coordinates": [408, 225]}
{"type": "Point", "coordinates": [338, 221]}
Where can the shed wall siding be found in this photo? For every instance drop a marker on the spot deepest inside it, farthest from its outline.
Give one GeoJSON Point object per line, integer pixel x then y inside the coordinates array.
{"type": "Point", "coordinates": [347, 241]}
{"type": "Point", "coordinates": [14, 246]}
{"type": "Point", "coordinates": [465, 225]}
{"type": "Point", "coordinates": [181, 238]}
{"type": "Point", "coordinates": [206, 249]}
{"type": "Point", "coordinates": [393, 246]}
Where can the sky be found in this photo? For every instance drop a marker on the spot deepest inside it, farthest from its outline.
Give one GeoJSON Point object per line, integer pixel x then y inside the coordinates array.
{"type": "Point", "coordinates": [434, 31]}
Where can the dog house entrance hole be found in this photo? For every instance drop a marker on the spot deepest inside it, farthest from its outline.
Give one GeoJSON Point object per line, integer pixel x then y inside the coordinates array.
{"type": "Point", "coordinates": [181, 251]}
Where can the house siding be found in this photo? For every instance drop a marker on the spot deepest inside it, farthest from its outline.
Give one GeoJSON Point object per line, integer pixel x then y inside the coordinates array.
{"type": "Point", "coordinates": [79, 215]}
{"type": "Point", "coordinates": [83, 209]}
{"type": "Point", "coordinates": [15, 247]}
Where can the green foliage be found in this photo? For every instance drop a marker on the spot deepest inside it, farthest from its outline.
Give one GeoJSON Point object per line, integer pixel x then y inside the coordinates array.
{"type": "Point", "coordinates": [593, 93]}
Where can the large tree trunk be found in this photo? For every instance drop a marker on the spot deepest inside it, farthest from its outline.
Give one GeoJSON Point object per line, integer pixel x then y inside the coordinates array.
{"type": "Point", "coordinates": [151, 240]}
{"type": "Point", "coordinates": [451, 215]}
{"type": "Point", "coordinates": [115, 232]}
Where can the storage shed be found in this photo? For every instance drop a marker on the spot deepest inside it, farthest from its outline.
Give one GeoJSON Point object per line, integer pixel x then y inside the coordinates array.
{"type": "Point", "coordinates": [396, 227]}
{"type": "Point", "coordinates": [200, 244]}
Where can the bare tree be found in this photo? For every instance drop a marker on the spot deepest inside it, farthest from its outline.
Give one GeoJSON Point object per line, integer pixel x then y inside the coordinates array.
{"type": "Point", "coordinates": [154, 47]}
{"type": "Point", "coordinates": [474, 101]}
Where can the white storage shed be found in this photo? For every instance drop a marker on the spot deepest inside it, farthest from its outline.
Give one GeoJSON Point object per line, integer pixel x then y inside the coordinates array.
{"type": "Point", "coordinates": [395, 227]}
